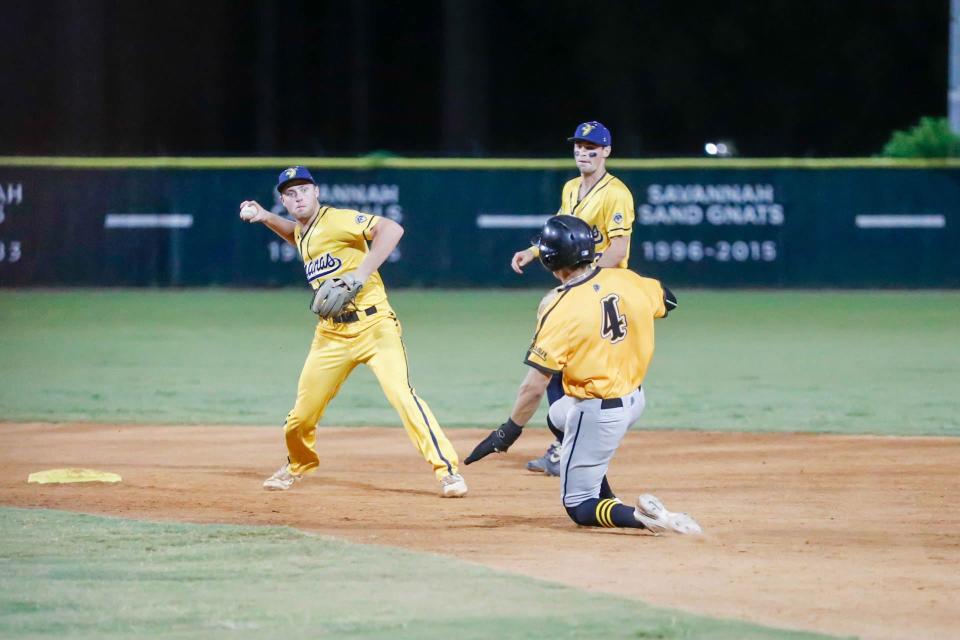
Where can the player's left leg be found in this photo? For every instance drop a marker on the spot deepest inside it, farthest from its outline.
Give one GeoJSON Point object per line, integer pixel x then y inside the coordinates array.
{"type": "Point", "coordinates": [593, 431]}
{"type": "Point", "coordinates": [384, 352]}
{"type": "Point", "coordinates": [557, 414]}
{"type": "Point", "coordinates": [549, 462]}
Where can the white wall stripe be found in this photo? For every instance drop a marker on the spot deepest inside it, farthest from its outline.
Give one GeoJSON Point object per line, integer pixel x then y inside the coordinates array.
{"type": "Point", "coordinates": [491, 221]}
{"type": "Point", "coordinates": [935, 221]}
{"type": "Point", "coordinates": [148, 221]}
{"type": "Point", "coordinates": [901, 222]}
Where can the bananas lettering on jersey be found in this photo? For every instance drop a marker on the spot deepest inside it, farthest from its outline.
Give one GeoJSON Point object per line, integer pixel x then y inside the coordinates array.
{"type": "Point", "coordinates": [322, 266]}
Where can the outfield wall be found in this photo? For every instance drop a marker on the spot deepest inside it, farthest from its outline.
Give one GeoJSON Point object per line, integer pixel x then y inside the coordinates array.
{"type": "Point", "coordinates": [753, 223]}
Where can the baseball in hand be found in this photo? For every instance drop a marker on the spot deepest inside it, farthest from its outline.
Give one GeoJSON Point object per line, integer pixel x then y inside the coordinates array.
{"type": "Point", "coordinates": [248, 212]}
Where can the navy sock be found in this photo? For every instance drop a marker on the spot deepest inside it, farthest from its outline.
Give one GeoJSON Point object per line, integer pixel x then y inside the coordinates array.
{"type": "Point", "coordinates": [622, 516]}
{"type": "Point", "coordinates": [556, 432]}
{"type": "Point", "coordinates": [585, 513]}
{"type": "Point", "coordinates": [554, 393]}
{"type": "Point", "coordinates": [606, 493]}
{"type": "Point", "coordinates": [555, 388]}
{"type": "Point", "coordinates": [603, 513]}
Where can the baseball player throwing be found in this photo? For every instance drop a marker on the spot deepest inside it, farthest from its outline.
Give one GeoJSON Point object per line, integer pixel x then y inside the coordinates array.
{"type": "Point", "coordinates": [597, 333]}
{"type": "Point", "coordinates": [342, 250]}
{"type": "Point", "coordinates": [606, 205]}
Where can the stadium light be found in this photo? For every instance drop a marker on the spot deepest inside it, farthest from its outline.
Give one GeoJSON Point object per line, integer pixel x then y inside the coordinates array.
{"type": "Point", "coordinates": [720, 149]}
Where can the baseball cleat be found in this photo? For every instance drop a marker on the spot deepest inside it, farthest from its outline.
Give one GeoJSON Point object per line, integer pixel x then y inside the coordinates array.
{"type": "Point", "coordinates": [453, 486]}
{"type": "Point", "coordinates": [549, 462]}
{"type": "Point", "coordinates": [651, 513]}
{"type": "Point", "coordinates": [281, 480]}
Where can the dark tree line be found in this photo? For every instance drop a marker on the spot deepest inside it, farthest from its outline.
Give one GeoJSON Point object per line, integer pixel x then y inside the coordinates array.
{"type": "Point", "coordinates": [497, 77]}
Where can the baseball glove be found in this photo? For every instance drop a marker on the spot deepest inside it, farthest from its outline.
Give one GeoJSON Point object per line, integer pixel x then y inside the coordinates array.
{"type": "Point", "coordinates": [334, 294]}
{"type": "Point", "coordinates": [498, 440]}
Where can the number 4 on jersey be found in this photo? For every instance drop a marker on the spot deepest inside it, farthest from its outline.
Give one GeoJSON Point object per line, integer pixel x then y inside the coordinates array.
{"type": "Point", "coordinates": [614, 325]}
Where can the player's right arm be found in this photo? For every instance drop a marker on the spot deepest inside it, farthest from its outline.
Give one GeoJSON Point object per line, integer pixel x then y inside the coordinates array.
{"type": "Point", "coordinates": [525, 257]}
{"type": "Point", "coordinates": [522, 259]}
{"type": "Point", "coordinates": [529, 395]}
{"type": "Point", "coordinates": [281, 226]}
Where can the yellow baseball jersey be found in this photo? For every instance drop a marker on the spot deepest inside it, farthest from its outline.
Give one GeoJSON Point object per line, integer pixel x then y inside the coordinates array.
{"type": "Point", "coordinates": [598, 332]}
{"type": "Point", "coordinates": [607, 208]}
{"type": "Point", "coordinates": [335, 243]}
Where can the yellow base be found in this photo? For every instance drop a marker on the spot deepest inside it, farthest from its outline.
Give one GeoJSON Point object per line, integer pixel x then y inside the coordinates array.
{"type": "Point", "coordinates": [64, 476]}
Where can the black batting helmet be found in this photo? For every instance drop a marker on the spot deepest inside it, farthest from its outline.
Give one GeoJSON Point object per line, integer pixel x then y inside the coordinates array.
{"type": "Point", "coordinates": [565, 242]}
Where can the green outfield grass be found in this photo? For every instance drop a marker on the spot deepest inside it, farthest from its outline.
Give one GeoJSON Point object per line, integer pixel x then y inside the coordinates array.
{"type": "Point", "coordinates": [191, 581]}
{"type": "Point", "coordinates": [847, 362]}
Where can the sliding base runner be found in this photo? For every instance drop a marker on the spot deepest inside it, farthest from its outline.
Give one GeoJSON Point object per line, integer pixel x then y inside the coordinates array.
{"type": "Point", "coordinates": [597, 334]}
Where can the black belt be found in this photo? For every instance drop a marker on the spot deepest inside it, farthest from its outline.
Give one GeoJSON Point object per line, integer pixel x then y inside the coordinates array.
{"type": "Point", "coordinates": [353, 316]}
{"type": "Point", "coordinates": [613, 403]}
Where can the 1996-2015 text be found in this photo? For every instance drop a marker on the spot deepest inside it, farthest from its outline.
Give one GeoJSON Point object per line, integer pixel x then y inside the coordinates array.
{"type": "Point", "coordinates": [719, 251]}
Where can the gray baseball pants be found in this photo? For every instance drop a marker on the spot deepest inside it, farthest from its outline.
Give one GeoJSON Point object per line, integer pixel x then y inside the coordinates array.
{"type": "Point", "coordinates": [591, 435]}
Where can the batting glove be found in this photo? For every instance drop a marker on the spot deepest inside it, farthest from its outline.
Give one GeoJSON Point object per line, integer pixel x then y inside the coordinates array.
{"type": "Point", "coordinates": [499, 440]}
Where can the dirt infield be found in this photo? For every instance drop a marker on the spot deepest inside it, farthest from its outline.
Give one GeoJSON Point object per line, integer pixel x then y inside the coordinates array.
{"type": "Point", "coordinates": [845, 535]}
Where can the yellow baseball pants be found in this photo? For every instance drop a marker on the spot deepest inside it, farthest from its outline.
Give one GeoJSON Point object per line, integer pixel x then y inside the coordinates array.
{"type": "Point", "coordinates": [333, 355]}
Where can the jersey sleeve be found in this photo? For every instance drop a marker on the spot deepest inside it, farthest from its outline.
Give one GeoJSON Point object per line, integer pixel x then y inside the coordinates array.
{"type": "Point", "coordinates": [548, 351]}
{"type": "Point", "coordinates": [619, 212]}
{"type": "Point", "coordinates": [357, 224]}
{"type": "Point", "coordinates": [657, 294]}
{"type": "Point", "coordinates": [365, 223]}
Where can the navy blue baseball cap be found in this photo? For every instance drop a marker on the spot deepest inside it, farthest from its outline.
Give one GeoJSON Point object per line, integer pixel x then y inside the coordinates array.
{"type": "Point", "coordinates": [293, 173]}
{"type": "Point", "coordinates": [593, 132]}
